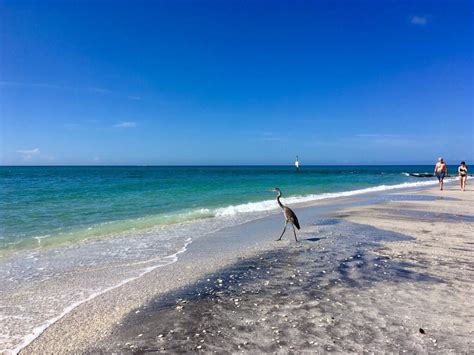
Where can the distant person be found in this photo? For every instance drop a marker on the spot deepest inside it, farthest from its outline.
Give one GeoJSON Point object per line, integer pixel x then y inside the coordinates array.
{"type": "Point", "coordinates": [440, 171]}
{"type": "Point", "coordinates": [462, 170]}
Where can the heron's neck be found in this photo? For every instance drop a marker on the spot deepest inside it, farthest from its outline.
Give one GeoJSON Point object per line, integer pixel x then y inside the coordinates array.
{"type": "Point", "coordinates": [279, 202]}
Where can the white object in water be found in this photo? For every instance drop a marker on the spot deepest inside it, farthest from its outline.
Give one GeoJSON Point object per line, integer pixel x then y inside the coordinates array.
{"type": "Point", "coordinates": [297, 163]}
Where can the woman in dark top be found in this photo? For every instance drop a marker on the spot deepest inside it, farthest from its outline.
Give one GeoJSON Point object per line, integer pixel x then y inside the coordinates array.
{"type": "Point", "coordinates": [462, 170]}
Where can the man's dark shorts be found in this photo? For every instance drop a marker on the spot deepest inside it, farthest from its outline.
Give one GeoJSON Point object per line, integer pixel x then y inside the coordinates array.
{"type": "Point", "coordinates": [440, 176]}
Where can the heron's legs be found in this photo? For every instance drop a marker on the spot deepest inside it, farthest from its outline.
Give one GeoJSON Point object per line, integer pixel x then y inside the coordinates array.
{"type": "Point", "coordinates": [284, 229]}
{"type": "Point", "coordinates": [294, 231]}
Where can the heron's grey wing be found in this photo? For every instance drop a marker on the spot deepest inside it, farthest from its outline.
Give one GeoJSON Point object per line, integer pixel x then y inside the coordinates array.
{"type": "Point", "coordinates": [293, 219]}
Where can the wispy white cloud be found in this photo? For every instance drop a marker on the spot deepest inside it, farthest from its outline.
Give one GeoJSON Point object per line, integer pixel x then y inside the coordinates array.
{"type": "Point", "coordinates": [96, 90]}
{"type": "Point", "coordinates": [376, 135]}
{"type": "Point", "coordinates": [27, 154]}
{"type": "Point", "coordinates": [126, 125]}
{"type": "Point", "coordinates": [418, 20]}
{"type": "Point", "coordinates": [269, 137]}
{"type": "Point", "coordinates": [29, 151]}
{"type": "Point", "coordinates": [49, 86]}
{"type": "Point", "coordinates": [32, 85]}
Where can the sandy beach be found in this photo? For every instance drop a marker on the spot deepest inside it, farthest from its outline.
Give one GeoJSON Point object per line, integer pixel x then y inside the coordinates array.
{"type": "Point", "coordinates": [372, 274]}
{"type": "Point", "coordinates": [153, 152]}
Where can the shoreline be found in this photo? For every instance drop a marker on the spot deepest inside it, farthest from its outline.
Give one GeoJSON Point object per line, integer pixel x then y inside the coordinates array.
{"type": "Point", "coordinates": [42, 269]}
{"type": "Point", "coordinates": [358, 287]}
{"type": "Point", "coordinates": [39, 330]}
{"type": "Point", "coordinates": [65, 239]}
{"type": "Point", "coordinates": [90, 313]}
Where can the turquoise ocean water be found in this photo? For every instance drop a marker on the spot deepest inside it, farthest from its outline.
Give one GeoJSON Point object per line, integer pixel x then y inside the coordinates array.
{"type": "Point", "coordinates": [51, 205]}
{"type": "Point", "coordinates": [69, 234]}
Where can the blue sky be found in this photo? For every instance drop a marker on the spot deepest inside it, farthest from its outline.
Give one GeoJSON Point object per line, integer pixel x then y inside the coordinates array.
{"type": "Point", "coordinates": [236, 82]}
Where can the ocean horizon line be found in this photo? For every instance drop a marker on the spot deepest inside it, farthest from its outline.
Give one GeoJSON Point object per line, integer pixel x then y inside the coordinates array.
{"type": "Point", "coordinates": [215, 165]}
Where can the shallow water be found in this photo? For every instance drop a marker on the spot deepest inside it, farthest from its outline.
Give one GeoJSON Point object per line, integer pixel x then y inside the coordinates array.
{"type": "Point", "coordinates": [40, 286]}
{"type": "Point", "coordinates": [47, 206]}
{"type": "Point", "coordinates": [400, 197]}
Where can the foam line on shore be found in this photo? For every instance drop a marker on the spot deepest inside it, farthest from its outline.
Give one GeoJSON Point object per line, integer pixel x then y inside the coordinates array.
{"type": "Point", "coordinates": [39, 330]}
{"type": "Point", "coordinates": [145, 223]}
{"type": "Point", "coordinates": [269, 205]}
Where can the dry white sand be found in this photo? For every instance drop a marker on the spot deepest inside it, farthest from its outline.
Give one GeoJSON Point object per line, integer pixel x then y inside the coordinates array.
{"type": "Point", "coordinates": [390, 277]}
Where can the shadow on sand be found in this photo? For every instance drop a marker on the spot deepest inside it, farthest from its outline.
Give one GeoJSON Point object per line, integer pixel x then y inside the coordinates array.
{"type": "Point", "coordinates": [229, 310]}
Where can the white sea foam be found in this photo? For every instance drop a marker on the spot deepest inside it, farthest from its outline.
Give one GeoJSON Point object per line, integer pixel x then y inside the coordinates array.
{"type": "Point", "coordinates": [269, 205]}
{"type": "Point", "coordinates": [36, 332]}
{"type": "Point", "coordinates": [39, 238]}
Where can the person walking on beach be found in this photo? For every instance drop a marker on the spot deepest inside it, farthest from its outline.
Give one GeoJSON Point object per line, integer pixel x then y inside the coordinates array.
{"type": "Point", "coordinates": [440, 171]}
{"type": "Point", "coordinates": [462, 170]}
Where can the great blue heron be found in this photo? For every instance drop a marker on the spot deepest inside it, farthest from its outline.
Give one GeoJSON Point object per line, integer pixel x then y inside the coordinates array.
{"type": "Point", "coordinates": [290, 216]}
